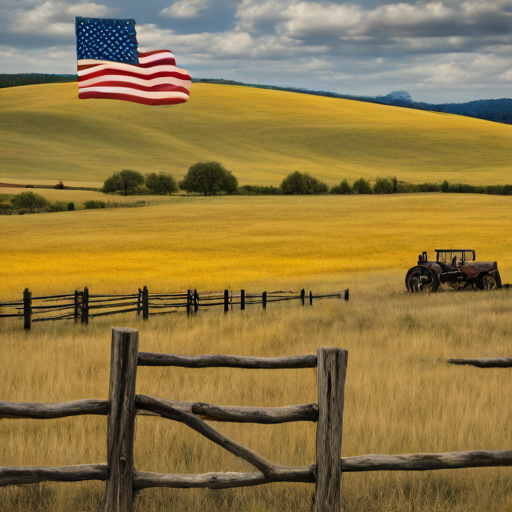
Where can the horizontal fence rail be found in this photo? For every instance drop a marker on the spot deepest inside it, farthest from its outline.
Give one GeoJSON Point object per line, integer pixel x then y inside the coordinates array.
{"type": "Point", "coordinates": [37, 474]}
{"type": "Point", "coordinates": [82, 306]}
{"type": "Point", "coordinates": [427, 461]}
{"type": "Point", "coordinates": [123, 480]}
{"type": "Point", "coordinates": [215, 360]}
{"type": "Point", "coordinates": [55, 410]}
{"type": "Point", "coordinates": [496, 362]}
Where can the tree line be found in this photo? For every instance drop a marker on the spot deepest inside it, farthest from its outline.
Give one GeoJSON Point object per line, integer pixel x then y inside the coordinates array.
{"type": "Point", "coordinates": [13, 80]}
{"type": "Point", "coordinates": [29, 202]}
{"type": "Point", "coordinates": [211, 178]}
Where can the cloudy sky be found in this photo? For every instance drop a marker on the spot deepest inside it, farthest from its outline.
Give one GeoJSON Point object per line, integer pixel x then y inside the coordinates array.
{"type": "Point", "coordinates": [438, 51]}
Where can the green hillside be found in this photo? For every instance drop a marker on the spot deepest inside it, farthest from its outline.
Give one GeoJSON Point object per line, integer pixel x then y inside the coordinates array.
{"type": "Point", "coordinates": [260, 135]}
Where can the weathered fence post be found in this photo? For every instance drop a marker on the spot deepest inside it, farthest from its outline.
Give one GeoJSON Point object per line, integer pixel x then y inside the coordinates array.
{"type": "Point", "coordinates": [27, 308]}
{"type": "Point", "coordinates": [189, 302]}
{"type": "Point", "coordinates": [226, 301]}
{"type": "Point", "coordinates": [85, 306]}
{"type": "Point", "coordinates": [242, 299]}
{"type": "Point", "coordinates": [332, 368]}
{"type": "Point", "coordinates": [139, 302]}
{"type": "Point", "coordinates": [346, 294]}
{"type": "Point", "coordinates": [145, 303]}
{"type": "Point", "coordinates": [121, 419]}
{"type": "Point", "coordinates": [77, 305]}
{"type": "Point", "coordinates": [310, 298]}
{"type": "Point", "coordinates": [264, 300]}
{"type": "Point", "coordinates": [303, 296]}
{"type": "Point", "coordinates": [196, 301]}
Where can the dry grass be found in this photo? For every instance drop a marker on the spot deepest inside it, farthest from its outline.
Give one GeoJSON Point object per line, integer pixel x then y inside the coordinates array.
{"type": "Point", "coordinates": [260, 135]}
{"type": "Point", "coordinates": [400, 397]}
{"type": "Point", "coordinates": [224, 242]}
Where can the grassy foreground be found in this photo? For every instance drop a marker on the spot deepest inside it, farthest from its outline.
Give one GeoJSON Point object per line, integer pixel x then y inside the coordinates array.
{"type": "Point", "coordinates": [223, 242]}
{"type": "Point", "coordinates": [260, 135]}
{"type": "Point", "coordinates": [401, 397]}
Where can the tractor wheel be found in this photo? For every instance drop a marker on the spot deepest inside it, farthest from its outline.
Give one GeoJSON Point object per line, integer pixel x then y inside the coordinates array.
{"type": "Point", "coordinates": [489, 282]}
{"type": "Point", "coordinates": [422, 280]}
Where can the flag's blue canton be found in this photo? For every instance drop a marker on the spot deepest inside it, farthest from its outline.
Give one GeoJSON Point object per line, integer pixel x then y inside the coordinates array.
{"type": "Point", "coordinates": [113, 40]}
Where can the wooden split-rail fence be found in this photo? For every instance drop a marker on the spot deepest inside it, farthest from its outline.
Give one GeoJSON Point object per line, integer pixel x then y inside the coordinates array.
{"type": "Point", "coordinates": [123, 481]}
{"type": "Point", "coordinates": [81, 306]}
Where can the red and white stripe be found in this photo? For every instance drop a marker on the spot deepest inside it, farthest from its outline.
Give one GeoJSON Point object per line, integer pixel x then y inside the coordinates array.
{"type": "Point", "coordinates": [154, 81]}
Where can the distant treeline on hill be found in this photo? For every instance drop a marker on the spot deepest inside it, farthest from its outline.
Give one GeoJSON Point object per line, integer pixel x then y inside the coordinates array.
{"type": "Point", "coordinates": [499, 111]}
{"type": "Point", "coordinates": [13, 80]}
{"type": "Point", "coordinates": [303, 184]}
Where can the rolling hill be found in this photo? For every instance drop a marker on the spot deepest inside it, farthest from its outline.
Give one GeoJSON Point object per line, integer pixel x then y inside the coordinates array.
{"type": "Point", "coordinates": [260, 135]}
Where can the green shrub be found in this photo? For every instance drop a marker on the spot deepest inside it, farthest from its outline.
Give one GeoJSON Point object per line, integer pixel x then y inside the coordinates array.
{"type": "Point", "coordinates": [132, 204]}
{"type": "Point", "coordinates": [90, 205]}
{"type": "Point", "coordinates": [6, 209]}
{"type": "Point", "coordinates": [362, 186]}
{"type": "Point", "coordinates": [29, 201]}
{"type": "Point", "coordinates": [255, 190]}
{"type": "Point", "coordinates": [502, 190]}
{"type": "Point", "coordinates": [343, 188]}
{"type": "Point", "coordinates": [428, 187]}
{"type": "Point", "coordinates": [58, 206]}
{"type": "Point", "coordinates": [303, 184]}
{"type": "Point", "coordinates": [161, 184]}
{"type": "Point", "coordinates": [71, 207]}
{"type": "Point", "coordinates": [383, 186]}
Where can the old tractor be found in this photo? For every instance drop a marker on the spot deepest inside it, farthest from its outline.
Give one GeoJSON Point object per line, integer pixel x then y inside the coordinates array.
{"type": "Point", "coordinates": [455, 269]}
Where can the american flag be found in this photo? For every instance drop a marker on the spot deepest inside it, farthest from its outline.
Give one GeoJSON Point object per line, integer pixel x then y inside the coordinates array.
{"type": "Point", "coordinates": [110, 66]}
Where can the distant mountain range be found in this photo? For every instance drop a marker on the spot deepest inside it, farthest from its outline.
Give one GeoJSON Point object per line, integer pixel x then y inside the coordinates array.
{"type": "Point", "coordinates": [499, 111]}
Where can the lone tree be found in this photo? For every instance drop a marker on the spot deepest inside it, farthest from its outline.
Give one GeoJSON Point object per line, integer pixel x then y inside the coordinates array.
{"type": "Point", "coordinates": [126, 182]}
{"type": "Point", "coordinates": [161, 184]}
{"type": "Point", "coordinates": [303, 183]}
{"type": "Point", "coordinates": [209, 178]}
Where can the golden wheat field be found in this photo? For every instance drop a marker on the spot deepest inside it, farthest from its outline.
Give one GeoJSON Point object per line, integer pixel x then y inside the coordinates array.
{"type": "Point", "coordinates": [224, 242]}
{"type": "Point", "coordinates": [401, 396]}
{"type": "Point", "coordinates": [260, 135]}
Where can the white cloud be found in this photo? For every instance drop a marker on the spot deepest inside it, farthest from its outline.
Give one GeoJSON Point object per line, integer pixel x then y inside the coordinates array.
{"type": "Point", "coordinates": [185, 9]}
{"type": "Point", "coordinates": [55, 59]}
{"type": "Point", "coordinates": [312, 20]}
{"type": "Point", "coordinates": [51, 17]}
